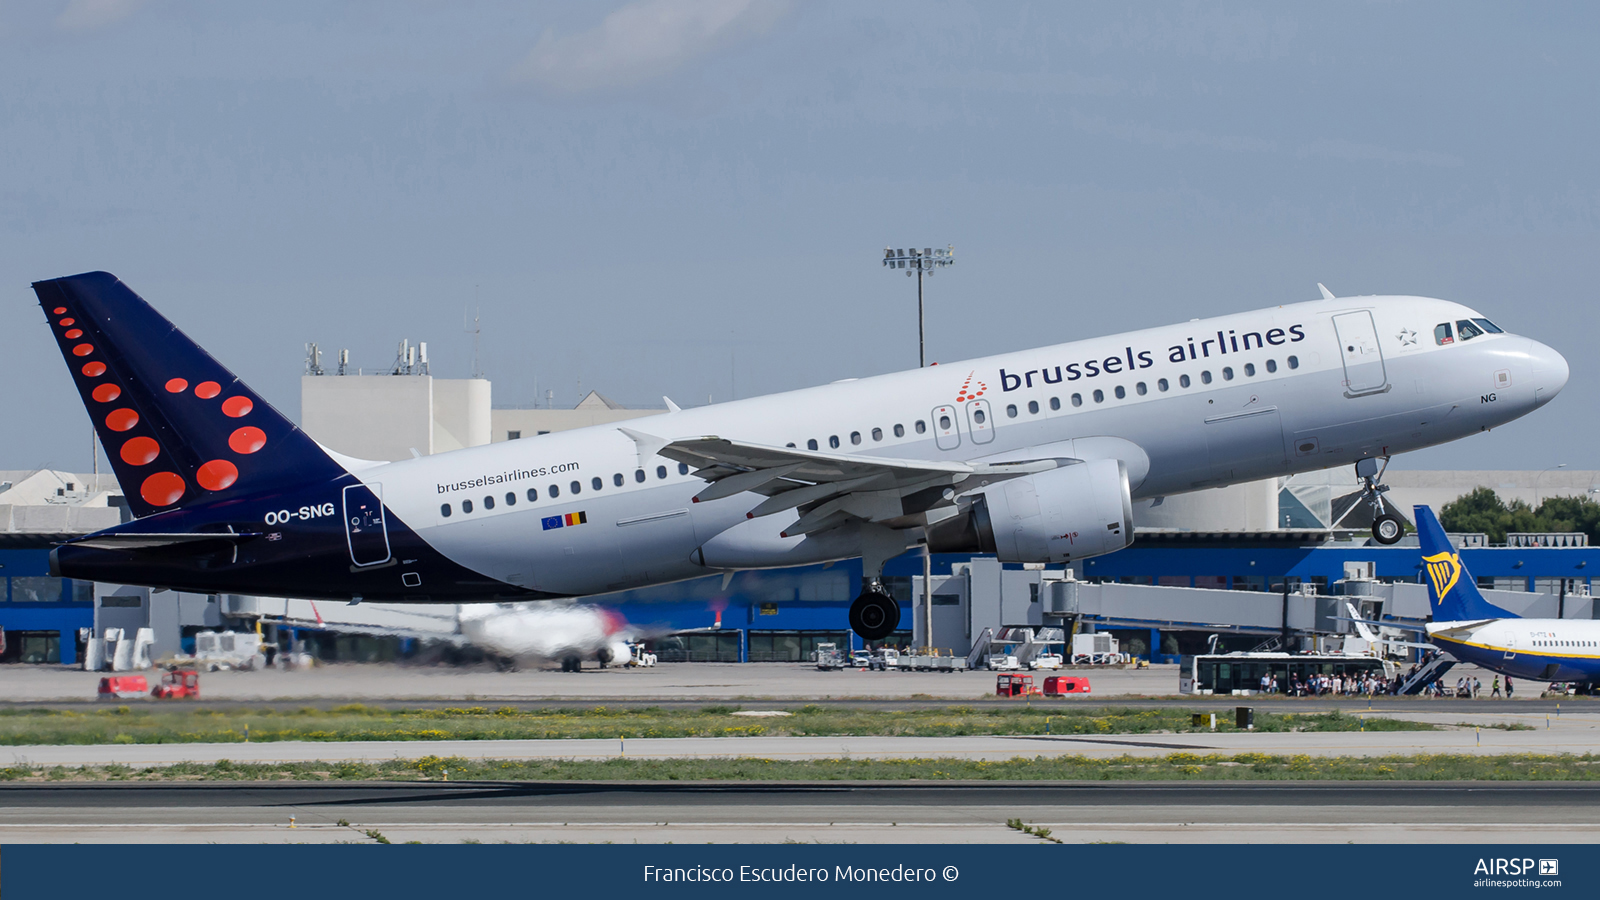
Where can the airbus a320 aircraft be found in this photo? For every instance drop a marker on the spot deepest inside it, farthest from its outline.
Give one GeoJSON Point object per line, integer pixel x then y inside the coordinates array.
{"type": "Point", "coordinates": [1476, 631]}
{"type": "Point", "coordinates": [1035, 456]}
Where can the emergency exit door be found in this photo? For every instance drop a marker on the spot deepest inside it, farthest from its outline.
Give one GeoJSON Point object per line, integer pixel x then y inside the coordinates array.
{"type": "Point", "coordinates": [364, 527]}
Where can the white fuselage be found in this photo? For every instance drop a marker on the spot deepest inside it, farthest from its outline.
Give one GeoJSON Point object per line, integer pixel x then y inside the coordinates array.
{"type": "Point", "coordinates": [1545, 649]}
{"type": "Point", "coordinates": [1282, 390]}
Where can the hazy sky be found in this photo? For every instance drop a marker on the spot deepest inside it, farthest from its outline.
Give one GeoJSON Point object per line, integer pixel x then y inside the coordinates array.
{"type": "Point", "coordinates": [690, 198]}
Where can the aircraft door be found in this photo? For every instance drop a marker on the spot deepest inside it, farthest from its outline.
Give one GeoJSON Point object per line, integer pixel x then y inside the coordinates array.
{"type": "Point", "coordinates": [1511, 646]}
{"type": "Point", "coordinates": [946, 434]}
{"type": "Point", "coordinates": [980, 421]}
{"type": "Point", "coordinates": [1358, 347]}
{"type": "Point", "coordinates": [364, 527]}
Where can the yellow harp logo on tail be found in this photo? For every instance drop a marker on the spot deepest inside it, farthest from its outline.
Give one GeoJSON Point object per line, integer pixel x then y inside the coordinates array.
{"type": "Point", "coordinates": [1443, 570]}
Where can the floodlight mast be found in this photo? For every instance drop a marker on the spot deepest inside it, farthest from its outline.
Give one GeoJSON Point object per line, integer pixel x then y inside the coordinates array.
{"type": "Point", "coordinates": [927, 260]}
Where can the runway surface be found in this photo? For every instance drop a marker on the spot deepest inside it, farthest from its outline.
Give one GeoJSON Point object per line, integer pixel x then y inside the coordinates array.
{"type": "Point", "coordinates": [824, 812]}
{"type": "Point", "coordinates": [1572, 734]}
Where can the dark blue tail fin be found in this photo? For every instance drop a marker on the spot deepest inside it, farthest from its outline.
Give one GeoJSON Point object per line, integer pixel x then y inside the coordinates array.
{"type": "Point", "coordinates": [178, 427]}
{"type": "Point", "coordinates": [1450, 586]}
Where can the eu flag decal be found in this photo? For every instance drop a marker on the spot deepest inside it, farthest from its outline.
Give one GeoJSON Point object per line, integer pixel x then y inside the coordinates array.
{"type": "Point", "coordinates": [552, 522]}
{"type": "Point", "coordinates": [574, 518]}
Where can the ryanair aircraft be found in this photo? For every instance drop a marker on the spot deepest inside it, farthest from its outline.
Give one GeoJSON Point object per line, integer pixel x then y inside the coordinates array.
{"type": "Point", "coordinates": [1476, 631]}
{"type": "Point", "coordinates": [1035, 456]}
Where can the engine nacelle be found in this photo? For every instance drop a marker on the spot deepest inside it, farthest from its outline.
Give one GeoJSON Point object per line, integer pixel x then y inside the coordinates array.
{"type": "Point", "coordinates": [1072, 512]}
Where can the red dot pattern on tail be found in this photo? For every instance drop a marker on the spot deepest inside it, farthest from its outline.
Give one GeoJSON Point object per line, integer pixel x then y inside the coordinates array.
{"type": "Point", "coordinates": [177, 386]}
{"type": "Point", "coordinates": [217, 475]}
{"type": "Point", "coordinates": [67, 322]}
{"type": "Point", "coordinates": [121, 419]}
{"type": "Point", "coordinates": [140, 451]}
{"type": "Point", "coordinates": [74, 334]}
{"type": "Point", "coordinates": [83, 350]}
{"type": "Point", "coordinates": [236, 407]}
{"type": "Point", "coordinates": [205, 390]}
{"type": "Point", "coordinates": [247, 440]}
{"type": "Point", "coordinates": [94, 369]}
{"type": "Point", "coordinates": [162, 489]}
{"type": "Point", "coordinates": [106, 393]}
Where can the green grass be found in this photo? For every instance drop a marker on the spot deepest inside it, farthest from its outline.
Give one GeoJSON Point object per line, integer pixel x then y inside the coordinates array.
{"type": "Point", "coordinates": [167, 724]}
{"type": "Point", "coordinates": [1174, 767]}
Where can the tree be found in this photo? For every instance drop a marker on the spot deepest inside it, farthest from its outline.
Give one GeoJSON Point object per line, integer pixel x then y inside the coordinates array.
{"type": "Point", "coordinates": [1484, 511]}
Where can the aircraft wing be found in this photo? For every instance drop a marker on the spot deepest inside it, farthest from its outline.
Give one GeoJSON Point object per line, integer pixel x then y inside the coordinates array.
{"type": "Point", "coordinates": [828, 488]}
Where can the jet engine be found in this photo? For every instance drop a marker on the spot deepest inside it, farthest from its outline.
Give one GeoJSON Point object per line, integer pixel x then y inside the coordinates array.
{"type": "Point", "coordinates": [1073, 512]}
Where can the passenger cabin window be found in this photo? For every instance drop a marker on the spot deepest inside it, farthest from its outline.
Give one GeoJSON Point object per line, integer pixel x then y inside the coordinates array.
{"type": "Point", "coordinates": [488, 503]}
{"type": "Point", "coordinates": [1099, 396]}
{"type": "Point", "coordinates": [877, 434]}
{"type": "Point", "coordinates": [1033, 407]}
{"type": "Point", "coordinates": [533, 495]}
{"type": "Point", "coordinates": [811, 444]}
{"type": "Point", "coordinates": [1272, 365]}
{"type": "Point", "coordinates": [899, 431]}
{"type": "Point", "coordinates": [466, 506]}
{"type": "Point", "coordinates": [576, 487]}
{"type": "Point", "coordinates": [921, 426]}
{"type": "Point", "coordinates": [1121, 392]}
{"type": "Point", "coordinates": [1293, 361]}
{"type": "Point", "coordinates": [444, 510]}
{"type": "Point", "coordinates": [638, 475]}
{"type": "Point", "coordinates": [1140, 389]}
{"type": "Point", "coordinates": [833, 441]}
{"type": "Point", "coordinates": [790, 445]}
{"type": "Point", "coordinates": [855, 438]}
{"type": "Point", "coordinates": [1467, 331]}
{"type": "Point", "coordinates": [1442, 334]}
{"type": "Point", "coordinates": [1205, 376]}
{"type": "Point", "coordinates": [1227, 373]}
{"type": "Point", "coordinates": [596, 483]}
{"type": "Point", "coordinates": [617, 479]}
{"type": "Point", "coordinates": [1077, 399]}
{"type": "Point", "coordinates": [683, 468]}
{"type": "Point", "coordinates": [1161, 385]}
{"type": "Point", "coordinates": [1249, 370]}
{"type": "Point", "coordinates": [661, 471]}
{"type": "Point", "coordinates": [554, 491]}
{"type": "Point", "coordinates": [1055, 402]}
{"type": "Point", "coordinates": [511, 498]}
{"type": "Point", "coordinates": [944, 423]}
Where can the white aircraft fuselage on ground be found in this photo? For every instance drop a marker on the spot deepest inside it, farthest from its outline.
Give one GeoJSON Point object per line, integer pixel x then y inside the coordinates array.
{"type": "Point", "coordinates": [1035, 455]}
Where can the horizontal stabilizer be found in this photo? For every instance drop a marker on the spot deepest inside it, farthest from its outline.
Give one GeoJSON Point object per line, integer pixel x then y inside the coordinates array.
{"type": "Point", "coordinates": [135, 541]}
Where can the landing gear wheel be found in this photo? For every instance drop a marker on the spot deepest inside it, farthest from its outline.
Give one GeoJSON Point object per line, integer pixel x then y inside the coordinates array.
{"type": "Point", "coordinates": [1388, 529]}
{"type": "Point", "coordinates": [572, 664]}
{"type": "Point", "coordinates": [874, 615]}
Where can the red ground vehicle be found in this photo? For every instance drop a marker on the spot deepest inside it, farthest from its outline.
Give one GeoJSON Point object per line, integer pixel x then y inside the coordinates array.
{"type": "Point", "coordinates": [1062, 685]}
{"type": "Point", "coordinates": [123, 687]}
{"type": "Point", "coordinates": [178, 684]}
{"type": "Point", "coordinates": [1015, 686]}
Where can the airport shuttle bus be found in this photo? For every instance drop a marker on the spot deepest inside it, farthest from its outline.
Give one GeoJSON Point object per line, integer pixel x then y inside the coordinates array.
{"type": "Point", "coordinates": [1231, 673]}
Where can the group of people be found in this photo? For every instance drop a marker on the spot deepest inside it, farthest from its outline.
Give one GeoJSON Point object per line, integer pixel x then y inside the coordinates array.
{"type": "Point", "coordinates": [1369, 684]}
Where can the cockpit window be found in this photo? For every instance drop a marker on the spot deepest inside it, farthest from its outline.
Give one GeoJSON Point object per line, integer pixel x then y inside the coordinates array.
{"type": "Point", "coordinates": [1488, 326]}
{"type": "Point", "coordinates": [1467, 330]}
{"type": "Point", "coordinates": [1442, 334]}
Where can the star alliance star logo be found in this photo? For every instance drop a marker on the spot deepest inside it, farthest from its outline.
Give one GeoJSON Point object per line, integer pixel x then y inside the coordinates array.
{"type": "Point", "coordinates": [1407, 337]}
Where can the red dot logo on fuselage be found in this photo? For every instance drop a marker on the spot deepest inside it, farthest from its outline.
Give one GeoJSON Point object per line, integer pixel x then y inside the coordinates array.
{"type": "Point", "coordinates": [968, 391]}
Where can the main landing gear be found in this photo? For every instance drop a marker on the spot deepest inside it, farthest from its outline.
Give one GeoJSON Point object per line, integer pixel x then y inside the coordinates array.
{"type": "Point", "coordinates": [875, 614]}
{"type": "Point", "coordinates": [1387, 528]}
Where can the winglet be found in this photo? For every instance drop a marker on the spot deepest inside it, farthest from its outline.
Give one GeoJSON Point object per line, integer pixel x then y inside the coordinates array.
{"type": "Point", "coordinates": [1326, 294]}
{"type": "Point", "coordinates": [649, 445]}
{"type": "Point", "coordinates": [671, 407]}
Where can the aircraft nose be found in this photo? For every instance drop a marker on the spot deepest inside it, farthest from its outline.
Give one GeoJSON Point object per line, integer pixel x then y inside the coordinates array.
{"type": "Point", "coordinates": [1550, 372]}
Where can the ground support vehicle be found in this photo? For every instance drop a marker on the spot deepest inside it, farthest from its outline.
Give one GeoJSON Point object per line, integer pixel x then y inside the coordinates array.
{"type": "Point", "coordinates": [178, 684]}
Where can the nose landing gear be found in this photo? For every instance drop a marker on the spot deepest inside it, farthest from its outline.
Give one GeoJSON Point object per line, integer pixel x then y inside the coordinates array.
{"type": "Point", "coordinates": [874, 615]}
{"type": "Point", "coordinates": [1387, 528]}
